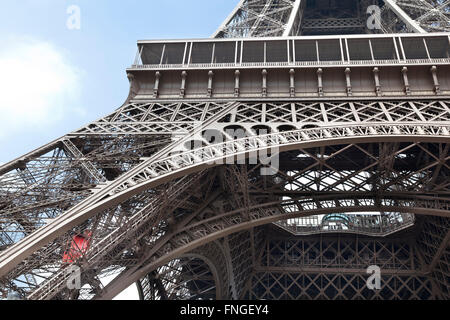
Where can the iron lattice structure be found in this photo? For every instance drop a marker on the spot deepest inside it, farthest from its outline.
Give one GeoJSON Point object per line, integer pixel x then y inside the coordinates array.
{"type": "Point", "coordinates": [170, 191]}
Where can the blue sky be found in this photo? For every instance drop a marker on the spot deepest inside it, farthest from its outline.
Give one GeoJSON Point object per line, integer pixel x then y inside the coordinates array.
{"type": "Point", "coordinates": [54, 80]}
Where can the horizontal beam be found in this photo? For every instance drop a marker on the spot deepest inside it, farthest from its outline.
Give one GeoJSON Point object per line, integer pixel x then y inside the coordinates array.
{"type": "Point", "coordinates": [364, 50]}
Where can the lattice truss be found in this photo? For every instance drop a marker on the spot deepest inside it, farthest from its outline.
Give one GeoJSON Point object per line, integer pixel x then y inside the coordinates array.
{"type": "Point", "coordinates": [276, 266]}
{"type": "Point", "coordinates": [430, 15]}
{"type": "Point", "coordinates": [145, 230]}
{"type": "Point", "coordinates": [267, 18]}
{"type": "Point", "coordinates": [39, 189]}
{"type": "Point", "coordinates": [42, 185]}
{"type": "Point", "coordinates": [258, 18]}
{"type": "Point", "coordinates": [280, 267]}
{"type": "Point", "coordinates": [335, 268]}
{"type": "Point", "coordinates": [138, 186]}
{"type": "Point", "coordinates": [311, 179]}
{"type": "Point", "coordinates": [181, 279]}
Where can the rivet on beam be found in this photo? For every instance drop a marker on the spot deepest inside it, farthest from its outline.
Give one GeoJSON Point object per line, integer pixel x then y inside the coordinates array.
{"type": "Point", "coordinates": [376, 75]}
{"type": "Point", "coordinates": [237, 73]}
{"type": "Point", "coordinates": [156, 87]}
{"type": "Point", "coordinates": [405, 80]}
{"type": "Point", "coordinates": [437, 88]}
{"type": "Point", "coordinates": [264, 83]}
{"type": "Point", "coordinates": [183, 83]}
{"type": "Point", "coordinates": [292, 82]}
{"type": "Point", "coordinates": [319, 82]}
{"type": "Point", "coordinates": [348, 80]}
{"type": "Point", "coordinates": [210, 83]}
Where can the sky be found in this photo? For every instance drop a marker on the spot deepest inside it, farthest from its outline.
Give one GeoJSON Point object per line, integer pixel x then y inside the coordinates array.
{"type": "Point", "coordinates": [62, 63]}
{"type": "Point", "coordinates": [55, 77]}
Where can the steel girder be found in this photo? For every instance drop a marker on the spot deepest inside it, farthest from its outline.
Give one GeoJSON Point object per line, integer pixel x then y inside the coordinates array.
{"type": "Point", "coordinates": [332, 124]}
{"type": "Point", "coordinates": [129, 179]}
{"type": "Point", "coordinates": [290, 208]}
{"type": "Point", "coordinates": [268, 18]}
{"type": "Point", "coordinates": [260, 18]}
{"type": "Point", "coordinates": [247, 114]}
{"type": "Point", "coordinates": [334, 267]}
{"type": "Point", "coordinates": [330, 267]}
{"type": "Point", "coordinates": [423, 16]}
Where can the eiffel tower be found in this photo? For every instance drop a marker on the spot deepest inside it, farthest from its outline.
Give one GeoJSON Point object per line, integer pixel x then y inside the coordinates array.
{"type": "Point", "coordinates": [303, 145]}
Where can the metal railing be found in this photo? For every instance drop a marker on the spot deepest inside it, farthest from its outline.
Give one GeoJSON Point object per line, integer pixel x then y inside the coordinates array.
{"type": "Point", "coordinates": [322, 63]}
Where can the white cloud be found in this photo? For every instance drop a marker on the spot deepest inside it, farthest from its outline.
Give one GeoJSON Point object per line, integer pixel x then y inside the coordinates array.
{"type": "Point", "coordinates": [38, 86]}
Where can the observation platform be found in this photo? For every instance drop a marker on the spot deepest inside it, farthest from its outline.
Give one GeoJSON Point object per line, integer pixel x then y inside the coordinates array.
{"type": "Point", "coordinates": [293, 67]}
{"type": "Point", "coordinates": [305, 51]}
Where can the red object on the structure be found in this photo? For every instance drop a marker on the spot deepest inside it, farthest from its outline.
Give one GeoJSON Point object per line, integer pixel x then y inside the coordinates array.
{"type": "Point", "coordinates": [79, 246]}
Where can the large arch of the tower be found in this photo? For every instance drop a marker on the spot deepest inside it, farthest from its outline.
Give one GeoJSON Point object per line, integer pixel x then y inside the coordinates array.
{"type": "Point", "coordinates": [276, 160]}
{"type": "Point", "coordinates": [273, 18]}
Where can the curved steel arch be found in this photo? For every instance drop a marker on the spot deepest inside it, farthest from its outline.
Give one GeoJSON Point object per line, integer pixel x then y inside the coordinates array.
{"type": "Point", "coordinates": [431, 204]}
{"type": "Point", "coordinates": [155, 171]}
{"type": "Point", "coordinates": [192, 237]}
{"type": "Point", "coordinates": [152, 174]}
{"type": "Point", "coordinates": [164, 287]}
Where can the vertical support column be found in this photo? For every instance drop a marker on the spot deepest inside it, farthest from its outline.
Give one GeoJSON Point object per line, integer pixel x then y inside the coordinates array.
{"type": "Point", "coordinates": [397, 52]}
{"type": "Point", "coordinates": [138, 59]}
{"type": "Point", "coordinates": [163, 54]}
{"type": "Point", "coordinates": [402, 50]}
{"type": "Point", "coordinates": [183, 84]}
{"type": "Point", "coordinates": [190, 54]}
{"type": "Point", "coordinates": [213, 54]}
{"type": "Point", "coordinates": [210, 83]}
{"type": "Point", "coordinates": [264, 83]}
{"type": "Point", "coordinates": [185, 52]}
{"type": "Point", "coordinates": [371, 50]}
{"type": "Point", "coordinates": [319, 82]}
{"type": "Point", "coordinates": [348, 81]}
{"type": "Point", "coordinates": [433, 71]}
{"type": "Point", "coordinates": [376, 75]}
{"type": "Point", "coordinates": [347, 52]}
{"type": "Point", "coordinates": [237, 74]}
{"type": "Point", "coordinates": [230, 269]}
{"type": "Point", "coordinates": [406, 80]}
{"type": "Point", "coordinates": [292, 82]}
{"type": "Point", "coordinates": [156, 87]}
{"type": "Point", "coordinates": [293, 52]}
